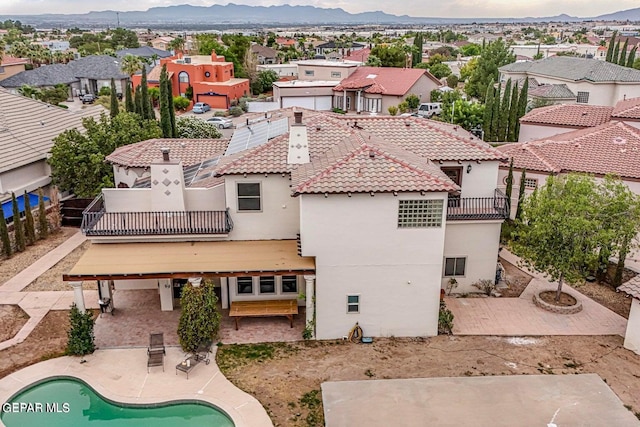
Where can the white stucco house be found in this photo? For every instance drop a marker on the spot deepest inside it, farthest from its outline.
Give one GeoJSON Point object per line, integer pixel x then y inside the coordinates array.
{"type": "Point", "coordinates": [360, 219]}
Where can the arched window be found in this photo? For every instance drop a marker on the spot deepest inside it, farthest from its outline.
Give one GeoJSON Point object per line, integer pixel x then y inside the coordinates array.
{"type": "Point", "coordinates": [183, 77]}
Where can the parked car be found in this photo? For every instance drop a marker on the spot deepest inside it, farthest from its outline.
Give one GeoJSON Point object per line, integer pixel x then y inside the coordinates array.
{"type": "Point", "coordinates": [201, 107]}
{"type": "Point", "coordinates": [221, 122]}
{"type": "Point", "coordinates": [89, 98]}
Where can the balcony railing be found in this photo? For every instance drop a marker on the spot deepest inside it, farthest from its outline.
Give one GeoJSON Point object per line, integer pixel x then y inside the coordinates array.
{"type": "Point", "coordinates": [97, 222]}
{"type": "Point", "coordinates": [469, 208]}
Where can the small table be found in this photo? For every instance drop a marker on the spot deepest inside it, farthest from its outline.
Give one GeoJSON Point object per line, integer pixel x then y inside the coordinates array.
{"type": "Point", "coordinates": [188, 366]}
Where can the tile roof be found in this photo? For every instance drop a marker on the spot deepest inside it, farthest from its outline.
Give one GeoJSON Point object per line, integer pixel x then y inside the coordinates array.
{"type": "Point", "coordinates": [189, 151]}
{"type": "Point", "coordinates": [8, 60]}
{"type": "Point", "coordinates": [144, 51]}
{"type": "Point", "coordinates": [361, 165]}
{"type": "Point", "coordinates": [264, 51]}
{"type": "Point", "coordinates": [612, 147]}
{"type": "Point", "coordinates": [561, 91]}
{"type": "Point", "coordinates": [575, 69]}
{"type": "Point", "coordinates": [632, 287]}
{"type": "Point", "coordinates": [383, 80]}
{"type": "Point", "coordinates": [426, 138]}
{"type": "Point", "coordinates": [574, 115]}
{"type": "Point", "coordinates": [28, 127]}
{"type": "Point", "coordinates": [359, 55]}
{"type": "Point", "coordinates": [627, 109]}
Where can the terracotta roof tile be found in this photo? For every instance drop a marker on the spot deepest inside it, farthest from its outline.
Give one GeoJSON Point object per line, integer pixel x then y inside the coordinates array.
{"type": "Point", "coordinates": [573, 115]}
{"type": "Point", "coordinates": [11, 60]}
{"type": "Point", "coordinates": [189, 151]}
{"type": "Point", "coordinates": [384, 80]}
{"type": "Point", "coordinates": [627, 109]}
{"type": "Point", "coordinates": [613, 147]}
{"type": "Point", "coordinates": [632, 287]}
{"type": "Point", "coordinates": [359, 164]}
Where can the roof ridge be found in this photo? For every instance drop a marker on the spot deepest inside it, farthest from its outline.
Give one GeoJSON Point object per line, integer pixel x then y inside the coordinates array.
{"type": "Point", "coordinates": [538, 155]}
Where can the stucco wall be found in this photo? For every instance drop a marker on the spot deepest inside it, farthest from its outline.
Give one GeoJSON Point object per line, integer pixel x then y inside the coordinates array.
{"type": "Point", "coordinates": [28, 177]}
{"type": "Point", "coordinates": [480, 181]}
{"type": "Point", "coordinates": [324, 72]}
{"type": "Point", "coordinates": [128, 176]}
{"type": "Point", "coordinates": [136, 284]}
{"type": "Point", "coordinates": [140, 199]}
{"type": "Point", "coordinates": [478, 242]}
{"type": "Point", "coordinates": [279, 217]}
{"type": "Point", "coordinates": [360, 250]}
{"type": "Point", "coordinates": [257, 296]}
{"type": "Point", "coordinates": [530, 132]}
{"type": "Point", "coordinates": [632, 336]}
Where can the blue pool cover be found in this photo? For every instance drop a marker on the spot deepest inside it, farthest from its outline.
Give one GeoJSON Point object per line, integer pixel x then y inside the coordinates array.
{"type": "Point", "coordinates": [7, 207]}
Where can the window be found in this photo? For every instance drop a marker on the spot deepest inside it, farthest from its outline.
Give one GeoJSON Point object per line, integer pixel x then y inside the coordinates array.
{"type": "Point", "coordinates": [353, 303]}
{"type": "Point", "coordinates": [583, 98]}
{"type": "Point", "coordinates": [309, 73]}
{"type": "Point", "coordinates": [1, 70]}
{"type": "Point", "coordinates": [420, 213]}
{"type": "Point", "coordinates": [336, 74]}
{"type": "Point", "coordinates": [531, 183]}
{"type": "Point", "coordinates": [454, 266]}
{"type": "Point", "coordinates": [245, 285]}
{"type": "Point", "coordinates": [183, 77]}
{"type": "Point", "coordinates": [454, 174]}
{"type": "Point", "coordinates": [348, 106]}
{"type": "Point", "coordinates": [249, 196]}
{"type": "Point", "coordinates": [373, 105]}
{"type": "Point", "coordinates": [267, 284]}
{"type": "Point", "coordinates": [289, 284]}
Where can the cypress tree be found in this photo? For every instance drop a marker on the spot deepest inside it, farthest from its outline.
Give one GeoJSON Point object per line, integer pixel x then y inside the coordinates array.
{"type": "Point", "coordinates": [503, 128]}
{"type": "Point", "coordinates": [43, 224]}
{"type": "Point", "coordinates": [138, 102]}
{"type": "Point", "coordinates": [114, 107]}
{"type": "Point", "coordinates": [488, 110]}
{"type": "Point", "coordinates": [632, 57]}
{"type": "Point", "coordinates": [523, 177]}
{"type": "Point", "coordinates": [4, 235]}
{"type": "Point", "coordinates": [29, 224]}
{"type": "Point", "coordinates": [416, 56]}
{"type": "Point", "coordinates": [18, 231]}
{"type": "Point", "coordinates": [522, 103]}
{"type": "Point", "coordinates": [144, 91]}
{"type": "Point", "coordinates": [609, 57]}
{"type": "Point", "coordinates": [509, 189]}
{"type": "Point", "coordinates": [172, 109]}
{"type": "Point", "coordinates": [495, 114]}
{"type": "Point", "coordinates": [512, 136]}
{"type": "Point", "coordinates": [622, 60]}
{"type": "Point", "coordinates": [128, 100]}
{"type": "Point", "coordinates": [165, 115]}
{"type": "Point", "coordinates": [616, 53]}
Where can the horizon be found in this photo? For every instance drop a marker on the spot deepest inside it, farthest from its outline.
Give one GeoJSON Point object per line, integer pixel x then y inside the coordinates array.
{"type": "Point", "coordinates": [489, 9]}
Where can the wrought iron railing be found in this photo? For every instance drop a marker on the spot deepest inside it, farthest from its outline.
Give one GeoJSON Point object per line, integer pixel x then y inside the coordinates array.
{"type": "Point", "coordinates": [469, 208]}
{"type": "Point", "coordinates": [97, 222]}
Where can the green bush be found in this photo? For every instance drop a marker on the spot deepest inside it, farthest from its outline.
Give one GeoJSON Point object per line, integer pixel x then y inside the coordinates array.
{"type": "Point", "coordinates": [236, 111]}
{"type": "Point", "coordinates": [81, 338]}
{"type": "Point", "coordinates": [445, 319]}
{"type": "Point", "coordinates": [220, 114]}
{"type": "Point", "coordinates": [200, 319]}
{"type": "Point", "coordinates": [194, 128]}
{"type": "Point", "coordinates": [104, 91]}
{"type": "Point", "coordinates": [66, 107]}
{"type": "Point", "coordinates": [403, 107]}
{"type": "Point", "coordinates": [393, 110]}
{"type": "Point", "coordinates": [412, 101]}
{"type": "Point", "coordinates": [189, 93]}
{"type": "Point", "coordinates": [180, 103]}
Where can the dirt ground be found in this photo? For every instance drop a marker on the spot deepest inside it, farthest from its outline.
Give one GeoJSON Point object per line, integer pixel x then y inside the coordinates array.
{"type": "Point", "coordinates": [12, 319]}
{"type": "Point", "coordinates": [19, 261]}
{"type": "Point", "coordinates": [287, 380]}
{"type": "Point", "coordinates": [52, 279]}
{"type": "Point", "coordinates": [516, 280]}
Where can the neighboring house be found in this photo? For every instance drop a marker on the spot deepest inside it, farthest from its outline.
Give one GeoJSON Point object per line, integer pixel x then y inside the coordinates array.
{"type": "Point", "coordinates": [593, 82]}
{"type": "Point", "coordinates": [326, 70]}
{"type": "Point", "coordinates": [84, 75]}
{"type": "Point", "coordinates": [54, 45]}
{"type": "Point", "coordinates": [161, 43]}
{"type": "Point", "coordinates": [11, 66]}
{"type": "Point", "coordinates": [132, 162]}
{"type": "Point", "coordinates": [211, 77]}
{"type": "Point", "coordinates": [544, 122]}
{"type": "Point", "coordinates": [147, 52]}
{"type": "Point", "coordinates": [585, 50]}
{"type": "Point", "coordinates": [282, 70]}
{"type": "Point", "coordinates": [361, 55]}
{"type": "Point", "coordinates": [360, 219]}
{"type": "Point", "coordinates": [612, 147]}
{"type": "Point", "coordinates": [286, 42]}
{"type": "Point", "coordinates": [375, 89]}
{"type": "Point", "coordinates": [27, 130]}
{"type": "Point", "coordinates": [632, 334]}
{"type": "Point", "coordinates": [341, 48]}
{"type": "Point", "coordinates": [264, 54]}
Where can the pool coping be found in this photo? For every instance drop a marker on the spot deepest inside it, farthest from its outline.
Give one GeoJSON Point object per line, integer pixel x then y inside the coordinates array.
{"type": "Point", "coordinates": [103, 373]}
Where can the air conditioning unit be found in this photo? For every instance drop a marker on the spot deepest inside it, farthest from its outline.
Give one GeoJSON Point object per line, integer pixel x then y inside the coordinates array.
{"type": "Point", "coordinates": [187, 60]}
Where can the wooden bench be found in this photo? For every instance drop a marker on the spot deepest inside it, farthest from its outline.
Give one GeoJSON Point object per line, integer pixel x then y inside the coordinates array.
{"type": "Point", "coordinates": [287, 308]}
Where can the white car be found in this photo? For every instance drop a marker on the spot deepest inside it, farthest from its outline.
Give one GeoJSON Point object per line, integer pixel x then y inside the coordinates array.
{"type": "Point", "coordinates": [221, 122]}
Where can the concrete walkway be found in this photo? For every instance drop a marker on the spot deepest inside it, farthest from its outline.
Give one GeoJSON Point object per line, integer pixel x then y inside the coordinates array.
{"type": "Point", "coordinates": [520, 317]}
{"type": "Point", "coordinates": [38, 304]}
{"type": "Point", "coordinates": [121, 375]}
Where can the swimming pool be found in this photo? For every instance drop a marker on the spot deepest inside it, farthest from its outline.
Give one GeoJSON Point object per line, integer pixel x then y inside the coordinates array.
{"type": "Point", "coordinates": [70, 402]}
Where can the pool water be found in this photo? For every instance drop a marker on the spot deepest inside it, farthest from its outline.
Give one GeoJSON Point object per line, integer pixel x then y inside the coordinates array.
{"type": "Point", "coordinates": [69, 402]}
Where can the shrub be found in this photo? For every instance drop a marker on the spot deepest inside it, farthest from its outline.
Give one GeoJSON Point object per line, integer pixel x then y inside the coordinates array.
{"type": "Point", "coordinates": [220, 114]}
{"type": "Point", "coordinates": [338, 111]}
{"type": "Point", "coordinates": [452, 81]}
{"type": "Point", "coordinates": [4, 235]}
{"type": "Point", "coordinates": [200, 319]}
{"type": "Point", "coordinates": [412, 101]}
{"type": "Point", "coordinates": [403, 107]}
{"type": "Point", "coordinates": [29, 225]}
{"type": "Point", "coordinates": [195, 128]}
{"type": "Point", "coordinates": [189, 93]}
{"type": "Point", "coordinates": [104, 91]}
{"type": "Point", "coordinates": [244, 105]}
{"type": "Point", "coordinates": [393, 110]}
{"type": "Point", "coordinates": [445, 319]}
{"type": "Point", "coordinates": [180, 103]}
{"type": "Point", "coordinates": [81, 338]}
{"type": "Point", "coordinates": [485, 285]}
{"type": "Point", "coordinates": [436, 95]}
{"type": "Point", "coordinates": [236, 111]}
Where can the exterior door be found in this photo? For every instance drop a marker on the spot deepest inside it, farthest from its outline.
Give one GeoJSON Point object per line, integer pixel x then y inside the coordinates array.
{"type": "Point", "coordinates": [455, 175]}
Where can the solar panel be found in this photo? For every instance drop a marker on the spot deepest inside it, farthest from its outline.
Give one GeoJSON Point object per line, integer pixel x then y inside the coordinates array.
{"type": "Point", "coordinates": [256, 134]}
{"type": "Point", "coordinates": [201, 177]}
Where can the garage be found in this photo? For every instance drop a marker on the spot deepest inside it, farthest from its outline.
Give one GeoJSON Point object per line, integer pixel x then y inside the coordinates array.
{"type": "Point", "coordinates": [319, 103]}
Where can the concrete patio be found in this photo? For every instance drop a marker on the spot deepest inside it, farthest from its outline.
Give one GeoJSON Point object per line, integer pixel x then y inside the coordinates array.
{"type": "Point", "coordinates": [137, 313]}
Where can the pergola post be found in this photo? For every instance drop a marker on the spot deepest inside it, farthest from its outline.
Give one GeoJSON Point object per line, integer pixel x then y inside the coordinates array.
{"type": "Point", "coordinates": [78, 296]}
{"type": "Point", "coordinates": [310, 301]}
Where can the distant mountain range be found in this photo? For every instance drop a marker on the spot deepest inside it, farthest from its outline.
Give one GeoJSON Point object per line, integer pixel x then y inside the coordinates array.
{"type": "Point", "coordinates": [234, 14]}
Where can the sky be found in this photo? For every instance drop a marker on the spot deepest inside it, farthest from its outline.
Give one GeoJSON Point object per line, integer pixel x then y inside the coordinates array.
{"type": "Point", "coordinates": [425, 8]}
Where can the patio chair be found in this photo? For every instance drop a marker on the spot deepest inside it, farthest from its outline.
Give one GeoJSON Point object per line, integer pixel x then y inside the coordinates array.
{"type": "Point", "coordinates": [202, 353]}
{"type": "Point", "coordinates": [155, 359]}
{"type": "Point", "coordinates": [156, 343]}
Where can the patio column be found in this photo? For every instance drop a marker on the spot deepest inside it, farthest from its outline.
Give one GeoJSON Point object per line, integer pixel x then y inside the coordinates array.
{"type": "Point", "coordinates": [358, 109]}
{"type": "Point", "coordinates": [344, 100]}
{"type": "Point", "coordinates": [166, 294]}
{"type": "Point", "coordinates": [310, 300]}
{"type": "Point", "coordinates": [224, 287]}
{"type": "Point", "coordinates": [78, 296]}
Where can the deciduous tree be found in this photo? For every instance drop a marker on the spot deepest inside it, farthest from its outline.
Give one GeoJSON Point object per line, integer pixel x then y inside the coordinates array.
{"type": "Point", "coordinates": [200, 319]}
{"type": "Point", "coordinates": [493, 56]}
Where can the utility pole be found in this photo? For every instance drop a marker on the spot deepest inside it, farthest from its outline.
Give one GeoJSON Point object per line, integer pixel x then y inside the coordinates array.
{"type": "Point", "coordinates": [118, 17]}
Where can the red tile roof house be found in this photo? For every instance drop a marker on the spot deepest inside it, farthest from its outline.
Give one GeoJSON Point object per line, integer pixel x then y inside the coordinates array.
{"type": "Point", "coordinates": [368, 217]}
{"type": "Point", "coordinates": [375, 89]}
{"type": "Point", "coordinates": [11, 66]}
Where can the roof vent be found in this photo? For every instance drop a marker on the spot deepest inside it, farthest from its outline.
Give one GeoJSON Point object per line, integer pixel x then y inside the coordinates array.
{"type": "Point", "coordinates": [298, 117]}
{"type": "Point", "coordinates": [618, 140]}
{"type": "Point", "coordinates": [165, 154]}
{"type": "Point", "coordinates": [372, 154]}
{"type": "Point", "coordinates": [318, 127]}
{"type": "Point", "coordinates": [407, 124]}
{"type": "Point", "coordinates": [584, 113]}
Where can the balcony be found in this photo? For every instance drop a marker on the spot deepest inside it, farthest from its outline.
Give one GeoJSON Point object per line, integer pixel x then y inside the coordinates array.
{"type": "Point", "coordinates": [478, 208]}
{"type": "Point", "coordinates": [97, 222]}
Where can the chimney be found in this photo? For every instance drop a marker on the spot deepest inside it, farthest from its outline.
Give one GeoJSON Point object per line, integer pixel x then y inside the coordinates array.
{"type": "Point", "coordinates": [165, 154]}
{"type": "Point", "coordinates": [298, 142]}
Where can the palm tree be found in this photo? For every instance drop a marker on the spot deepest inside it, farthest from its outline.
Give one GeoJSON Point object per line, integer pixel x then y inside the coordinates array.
{"type": "Point", "coordinates": [177, 44]}
{"type": "Point", "coordinates": [131, 64]}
